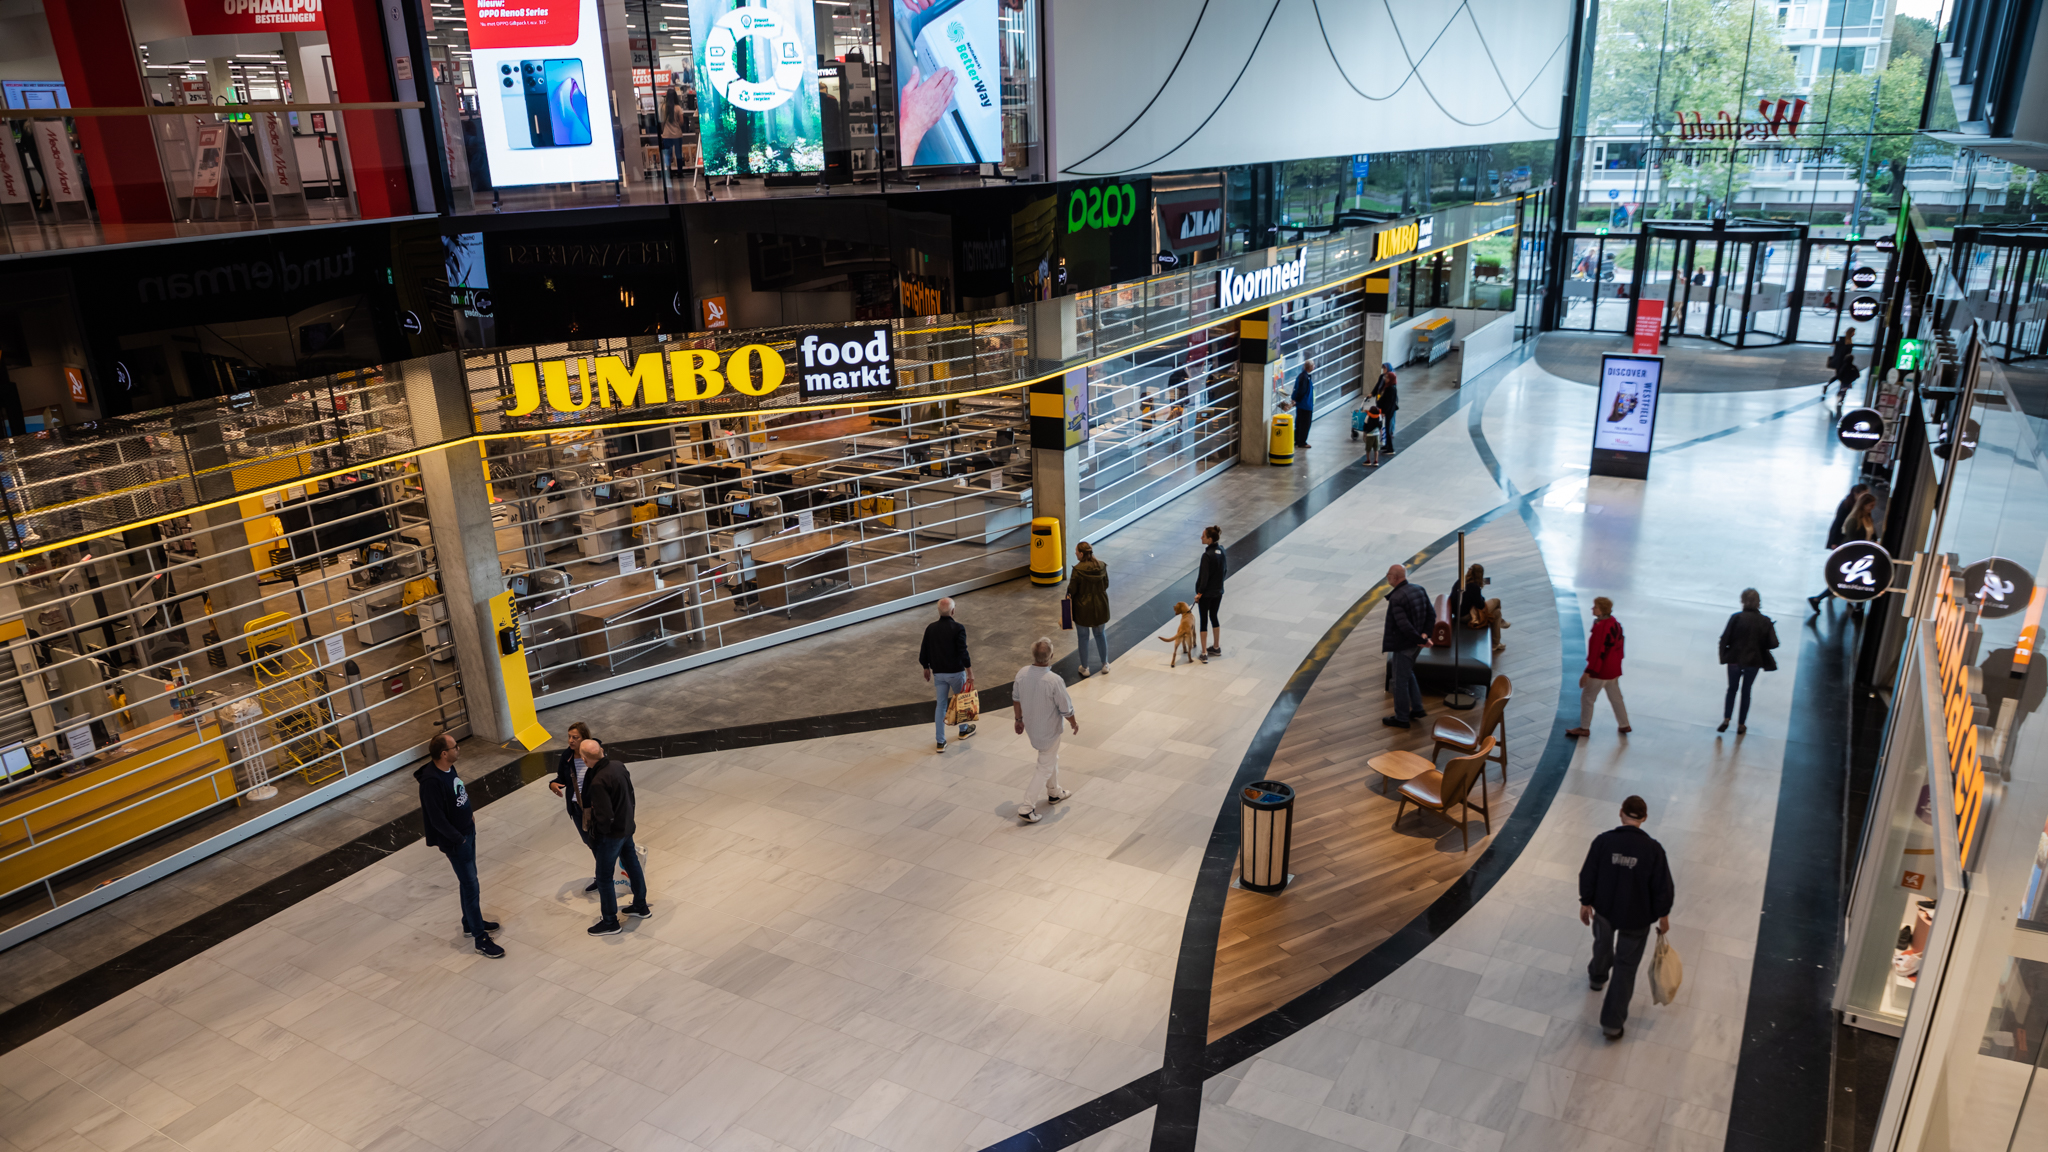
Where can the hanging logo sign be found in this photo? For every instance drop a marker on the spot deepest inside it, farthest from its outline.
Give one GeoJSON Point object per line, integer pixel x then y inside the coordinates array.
{"type": "Point", "coordinates": [1780, 121]}
{"type": "Point", "coordinates": [1861, 429]}
{"type": "Point", "coordinates": [1997, 586]}
{"type": "Point", "coordinates": [1859, 570]}
{"type": "Point", "coordinates": [1235, 288]}
{"type": "Point", "coordinates": [1101, 206]}
{"type": "Point", "coordinates": [241, 17]}
{"type": "Point", "coordinates": [713, 308]}
{"type": "Point", "coordinates": [1402, 239]}
{"type": "Point", "coordinates": [60, 168]}
{"type": "Point", "coordinates": [1863, 308]}
{"type": "Point", "coordinates": [1863, 277]}
{"type": "Point", "coordinates": [846, 361]}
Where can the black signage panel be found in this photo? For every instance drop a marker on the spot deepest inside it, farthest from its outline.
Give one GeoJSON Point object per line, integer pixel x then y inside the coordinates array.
{"type": "Point", "coordinates": [1864, 308]}
{"type": "Point", "coordinates": [1859, 570]}
{"type": "Point", "coordinates": [855, 361]}
{"type": "Point", "coordinates": [1999, 586]}
{"type": "Point", "coordinates": [1861, 429]}
{"type": "Point", "coordinates": [1863, 277]}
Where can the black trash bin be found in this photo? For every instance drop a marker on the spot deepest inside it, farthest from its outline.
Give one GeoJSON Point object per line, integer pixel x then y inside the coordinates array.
{"type": "Point", "coordinates": [1267, 835]}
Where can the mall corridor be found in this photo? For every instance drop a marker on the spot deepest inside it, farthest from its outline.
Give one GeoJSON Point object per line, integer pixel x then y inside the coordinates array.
{"type": "Point", "coordinates": [856, 945]}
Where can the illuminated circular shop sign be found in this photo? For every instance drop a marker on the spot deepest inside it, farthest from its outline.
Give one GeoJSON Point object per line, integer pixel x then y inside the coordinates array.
{"type": "Point", "coordinates": [1863, 277]}
{"type": "Point", "coordinates": [1863, 308]}
{"type": "Point", "coordinates": [1861, 429]}
{"type": "Point", "coordinates": [1999, 586]}
{"type": "Point", "coordinates": [1859, 570]}
{"type": "Point", "coordinates": [728, 39]}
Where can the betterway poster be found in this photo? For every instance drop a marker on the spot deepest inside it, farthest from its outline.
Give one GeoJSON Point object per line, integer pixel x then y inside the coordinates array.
{"type": "Point", "coordinates": [950, 99]}
{"type": "Point", "coordinates": [757, 85]}
{"type": "Point", "coordinates": [541, 91]}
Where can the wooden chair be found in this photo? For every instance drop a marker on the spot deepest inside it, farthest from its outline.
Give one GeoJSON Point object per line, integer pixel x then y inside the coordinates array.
{"type": "Point", "coordinates": [1458, 734]}
{"type": "Point", "coordinates": [1438, 791]}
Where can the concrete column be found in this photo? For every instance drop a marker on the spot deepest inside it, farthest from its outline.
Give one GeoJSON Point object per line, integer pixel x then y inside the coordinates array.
{"type": "Point", "coordinates": [1059, 426]}
{"type": "Point", "coordinates": [1056, 488]}
{"type": "Point", "coordinates": [1055, 330]}
{"type": "Point", "coordinates": [228, 572]}
{"type": "Point", "coordinates": [466, 549]}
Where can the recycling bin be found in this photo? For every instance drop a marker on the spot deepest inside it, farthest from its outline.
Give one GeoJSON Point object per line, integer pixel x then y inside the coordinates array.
{"type": "Point", "coordinates": [1267, 835]}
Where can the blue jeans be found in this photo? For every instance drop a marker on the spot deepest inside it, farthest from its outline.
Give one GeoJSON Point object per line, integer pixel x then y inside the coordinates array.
{"type": "Point", "coordinates": [946, 685]}
{"type": "Point", "coordinates": [1407, 689]}
{"type": "Point", "coordinates": [671, 152]}
{"type": "Point", "coordinates": [463, 860]}
{"type": "Point", "coordinates": [618, 852]}
{"type": "Point", "coordinates": [1390, 429]}
{"type": "Point", "coordinates": [1082, 634]}
{"type": "Point", "coordinates": [1744, 678]}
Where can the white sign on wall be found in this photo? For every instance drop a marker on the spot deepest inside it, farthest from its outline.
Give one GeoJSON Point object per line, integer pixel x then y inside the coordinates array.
{"type": "Point", "coordinates": [60, 167]}
{"type": "Point", "coordinates": [13, 179]}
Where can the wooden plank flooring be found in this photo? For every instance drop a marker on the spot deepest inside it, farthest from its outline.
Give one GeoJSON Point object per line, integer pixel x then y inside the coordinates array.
{"type": "Point", "coordinates": [1357, 878]}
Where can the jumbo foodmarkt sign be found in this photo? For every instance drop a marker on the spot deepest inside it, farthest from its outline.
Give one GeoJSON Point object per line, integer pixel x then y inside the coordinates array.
{"type": "Point", "coordinates": [232, 17]}
{"type": "Point", "coordinates": [840, 362]}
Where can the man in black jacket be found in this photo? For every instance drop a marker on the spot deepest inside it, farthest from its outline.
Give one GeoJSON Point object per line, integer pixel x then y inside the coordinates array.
{"type": "Point", "coordinates": [1624, 887]}
{"type": "Point", "coordinates": [608, 797]}
{"type": "Point", "coordinates": [1409, 623]}
{"type": "Point", "coordinates": [947, 666]}
{"type": "Point", "coordinates": [451, 827]}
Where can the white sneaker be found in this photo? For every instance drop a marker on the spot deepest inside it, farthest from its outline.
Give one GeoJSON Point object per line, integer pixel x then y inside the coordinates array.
{"type": "Point", "coordinates": [1028, 815]}
{"type": "Point", "coordinates": [1056, 797]}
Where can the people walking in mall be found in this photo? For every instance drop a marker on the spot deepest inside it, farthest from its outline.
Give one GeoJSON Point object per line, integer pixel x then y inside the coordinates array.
{"type": "Point", "coordinates": [947, 666]}
{"type": "Point", "coordinates": [451, 827]}
{"type": "Point", "coordinates": [1039, 702]}
{"type": "Point", "coordinates": [1387, 395]}
{"type": "Point", "coordinates": [568, 782]}
{"type": "Point", "coordinates": [1859, 524]}
{"type": "Point", "coordinates": [1746, 644]}
{"type": "Point", "coordinates": [1410, 620]}
{"type": "Point", "coordinates": [1477, 609]}
{"type": "Point", "coordinates": [1624, 887]}
{"type": "Point", "coordinates": [1088, 593]}
{"type": "Point", "coordinates": [1209, 577]}
{"type": "Point", "coordinates": [1304, 402]}
{"type": "Point", "coordinates": [1843, 361]}
{"type": "Point", "coordinates": [1603, 670]}
{"type": "Point", "coordinates": [608, 796]}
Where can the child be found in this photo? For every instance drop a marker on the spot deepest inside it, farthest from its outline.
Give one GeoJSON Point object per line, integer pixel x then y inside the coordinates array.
{"type": "Point", "coordinates": [1373, 429]}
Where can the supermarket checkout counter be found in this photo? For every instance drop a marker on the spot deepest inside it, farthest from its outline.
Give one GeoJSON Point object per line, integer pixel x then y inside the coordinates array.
{"type": "Point", "coordinates": [151, 777]}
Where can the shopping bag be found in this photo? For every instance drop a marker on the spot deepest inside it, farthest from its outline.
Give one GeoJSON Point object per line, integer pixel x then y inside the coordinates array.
{"type": "Point", "coordinates": [1667, 972]}
{"type": "Point", "coordinates": [964, 707]}
{"type": "Point", "coordinates": [1358, 420]}
{"type": "Point", "coordinates": [1066, 614]}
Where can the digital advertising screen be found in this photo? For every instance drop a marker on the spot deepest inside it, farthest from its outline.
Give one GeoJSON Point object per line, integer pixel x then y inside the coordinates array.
{"type": "Point", "coordinates": [1627, 417]}
{"type": "Point", "coordinates": [757, 86]}
{"type": "Point", "coordinates": [541, 91]}
{"type": "Point", "coordinates": [949, 98]}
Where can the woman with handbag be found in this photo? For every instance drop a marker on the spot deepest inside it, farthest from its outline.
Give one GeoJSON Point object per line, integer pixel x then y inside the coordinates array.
{"type": "Point", "coordinates": [1746, 645]}
{"type": "Point", "coordinates": [1088, 606]}
{"type": "Point", "coordinates": [1844, 363]}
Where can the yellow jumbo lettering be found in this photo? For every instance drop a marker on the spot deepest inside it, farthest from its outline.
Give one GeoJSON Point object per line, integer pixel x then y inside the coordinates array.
{"type": "Point", "coordinates": [555, 378]}
{"type": "Point", "coordinates": [615, 383]}
{"type": "Point", "coordinates": [696, 374]}
{"type": "Point", "coordinates": [525, 390]}
{"type": "Point", "coordinates": [755, 369]}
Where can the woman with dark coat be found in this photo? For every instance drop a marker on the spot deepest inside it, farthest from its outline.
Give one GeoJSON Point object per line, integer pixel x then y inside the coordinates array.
{"type": "Point", "coordinates": [1088, 588]}
{"type": "Point", "coordinates": [1859, 524]}
{"type": "Point", "coordinates": [1746, 645]}
{"type": "Point", "coordinates": [1209, 579]}
{"type": "Point", "coordinates": [1844, 363]}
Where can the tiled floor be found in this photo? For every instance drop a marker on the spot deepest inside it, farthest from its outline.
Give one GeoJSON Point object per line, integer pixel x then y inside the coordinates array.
{"type": "Point", "coordinates": [857, 947]}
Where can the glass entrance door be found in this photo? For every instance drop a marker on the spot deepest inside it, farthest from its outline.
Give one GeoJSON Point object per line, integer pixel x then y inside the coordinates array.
{"type": "Point", "coordinates": [1835, 276]}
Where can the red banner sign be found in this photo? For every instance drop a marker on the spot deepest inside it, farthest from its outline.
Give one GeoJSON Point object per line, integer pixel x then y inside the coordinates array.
{"type": "Point", "coordinates": [233, 17]}
{"type": "Point", "coordinates": [1649, 322]}
{"type": "Point", "coordinates": [523, 23]}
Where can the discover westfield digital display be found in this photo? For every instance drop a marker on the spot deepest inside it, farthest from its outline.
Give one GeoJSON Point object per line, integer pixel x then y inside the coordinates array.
{"type": "Point", "coordinates": [1626, 419]}
{"type": "Point", "coordinates": [541, 91]}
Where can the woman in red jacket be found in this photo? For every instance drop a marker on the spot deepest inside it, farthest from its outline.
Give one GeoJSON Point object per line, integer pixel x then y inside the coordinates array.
{"type": "Point", "coordinates": [1603, 669]}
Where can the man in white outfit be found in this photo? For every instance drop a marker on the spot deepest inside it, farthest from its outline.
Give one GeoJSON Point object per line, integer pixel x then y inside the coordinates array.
{"type": "Point", "coordinates": [1040, 701]}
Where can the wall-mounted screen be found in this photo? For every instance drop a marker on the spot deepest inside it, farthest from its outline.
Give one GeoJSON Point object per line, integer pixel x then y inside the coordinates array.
{"type": "Point", "coordinates": [540, 88]}
{"type": "Point", "coordinates": [949, 98]}
{"type": "Point", "coordinates": [1626, 419]}
{"type": "Point", "coordinates": [757, 86]}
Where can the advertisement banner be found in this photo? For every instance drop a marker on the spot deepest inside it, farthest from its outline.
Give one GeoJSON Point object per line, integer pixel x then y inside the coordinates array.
{"type": "Point", "coordinates": [209, 156]}
{"type": "Point", "coordinates": [13, 178]}
{"type": "Point", "coordinates": [60, 167]}
{"type": "Point", "coordinates": [276, 156]}
{"type": "Point", "coordinates": [949, 100]}
{"type": "Point", "coordinates": [1628, 403]}
{"type": "Point", "coordinates": [233, 17]}
{"type": "Point", "coordinates": [541, 91]}
{"type": "Point", "coordinates": [757, 85]}
{"type": "Point", "coordinates": [1649, 326]}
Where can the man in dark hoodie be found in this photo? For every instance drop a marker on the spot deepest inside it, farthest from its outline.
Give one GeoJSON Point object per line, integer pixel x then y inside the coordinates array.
{"type": "Point", "coordinates": [1624, 887]}
{"type": "Point", "coordinates": [608, 804]}
{"type": "Point", "coordinates": [451, 827]}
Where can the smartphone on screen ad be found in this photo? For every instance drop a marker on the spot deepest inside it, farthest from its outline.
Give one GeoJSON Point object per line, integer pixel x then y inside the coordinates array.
{"type": "Point", "coordinates": [950, 103]}
{"type": "Point", "coordinates": [543, 127]}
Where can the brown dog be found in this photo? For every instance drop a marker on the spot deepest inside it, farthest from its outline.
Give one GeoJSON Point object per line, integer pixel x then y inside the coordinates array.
{"type": "Point", "coordinates": [1183, 639]}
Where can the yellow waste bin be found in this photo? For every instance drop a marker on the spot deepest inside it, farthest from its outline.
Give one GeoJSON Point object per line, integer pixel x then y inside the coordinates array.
{"type": "Point", "coordinates": [1048, 559]}
{"type": "Point", "coordinates": [1280, 449]}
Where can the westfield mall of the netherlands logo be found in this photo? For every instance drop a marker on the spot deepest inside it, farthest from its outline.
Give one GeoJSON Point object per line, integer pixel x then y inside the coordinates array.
{"type": "Point", "coordinates": [1779, 121]}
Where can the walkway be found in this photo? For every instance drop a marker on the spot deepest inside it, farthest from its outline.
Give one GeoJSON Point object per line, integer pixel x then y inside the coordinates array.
{"type": "Point", "coordinates": [857, 948]}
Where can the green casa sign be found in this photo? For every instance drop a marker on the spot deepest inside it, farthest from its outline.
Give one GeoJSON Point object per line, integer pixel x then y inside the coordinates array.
{"type": "Point", "coordinates": [1102, 206]}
